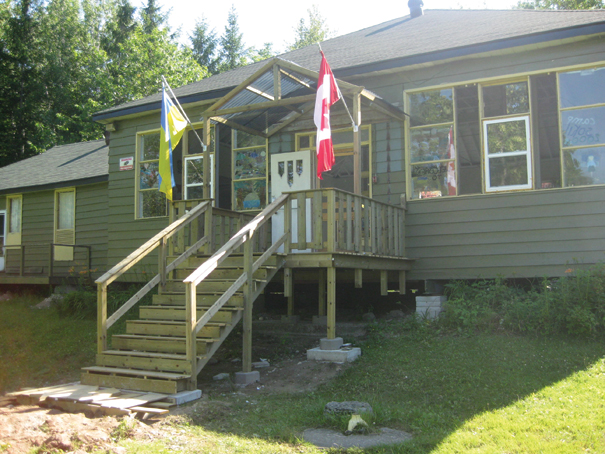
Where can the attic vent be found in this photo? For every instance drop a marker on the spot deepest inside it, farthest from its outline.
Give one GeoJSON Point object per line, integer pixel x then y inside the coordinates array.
{"type": "Point", "coordinates": [415, 8]}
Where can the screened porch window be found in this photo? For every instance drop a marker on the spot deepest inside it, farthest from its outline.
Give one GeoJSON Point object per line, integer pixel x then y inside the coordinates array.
{"type": "Point", "coordinates": [150, 201]}
{"type": "Point", "coordinates": [249, 171]}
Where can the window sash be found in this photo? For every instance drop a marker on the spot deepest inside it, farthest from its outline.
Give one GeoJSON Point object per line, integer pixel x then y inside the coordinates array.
{"type": "Point", "coordinates": [490, 159]}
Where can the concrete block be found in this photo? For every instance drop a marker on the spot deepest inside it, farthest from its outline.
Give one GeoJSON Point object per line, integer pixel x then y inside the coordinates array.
{"type": "Point", "coordinates": [330, 344]}
{"type": "Point", "coordinates": [245, 378]}
{"type": "Point", "coordinates": [185, 396]}
{"type": "Point", "coordinates": [290, 318]}
{"type": "Point", "coordinates": [334, 356]}
{"type": "Point", "coordinates": [430, 306]}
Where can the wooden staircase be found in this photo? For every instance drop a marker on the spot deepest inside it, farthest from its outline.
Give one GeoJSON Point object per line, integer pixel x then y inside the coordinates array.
{"type": "Point", "coordinates": [151, 355]}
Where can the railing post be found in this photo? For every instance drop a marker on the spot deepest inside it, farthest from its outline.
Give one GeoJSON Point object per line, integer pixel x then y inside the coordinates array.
{"type": "Point", "coordinates": [101, 317]}
{"type": "Point", "coordinates": [162, 257]}
{"type": "Point", "coordinates": [287, 250]}
{"type": "Point", "coordinates": [248, 291]}
{"type": "Point", "coordinates": [331, 194]}
{"type": "Point", "coordinates": [190, 337]}
{"type": "Point", "coordinates": [208, 231]}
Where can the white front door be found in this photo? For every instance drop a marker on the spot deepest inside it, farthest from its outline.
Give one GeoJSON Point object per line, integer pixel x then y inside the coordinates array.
{"type": "Point", "coordinates": [290, 172]}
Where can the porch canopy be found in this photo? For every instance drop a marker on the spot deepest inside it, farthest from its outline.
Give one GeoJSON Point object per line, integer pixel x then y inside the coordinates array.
{"type": "Point", "coordinates": [280, 96]}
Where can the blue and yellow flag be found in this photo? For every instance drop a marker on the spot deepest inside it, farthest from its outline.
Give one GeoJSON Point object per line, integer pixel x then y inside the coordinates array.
{"type": "Point", "coordinates": [173, 125]}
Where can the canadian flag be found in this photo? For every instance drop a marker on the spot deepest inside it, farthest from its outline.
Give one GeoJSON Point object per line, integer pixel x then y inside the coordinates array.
{"type": "Point", "coordinates": [327, 94]}
{"type": "Point", "coordinates": [451, 169]}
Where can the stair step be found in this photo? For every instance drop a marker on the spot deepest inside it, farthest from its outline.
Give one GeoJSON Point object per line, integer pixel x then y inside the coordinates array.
{"type": "Point", "coordinates": [223, 273]}
{"type": "Point", "coordinates": [151, 381]}
{"type": "Point", "coordinates": [136, 372]}
{"type": "Point", "coordinates": [178, 313]}
{"type": "Point", "coordinates": [202, 299]}
{"type": "Point", "coordinates": [158, 344]}
{"type": "Point", "coordinates": [234, 261]}
{"type": "Point", "coordinates": [206, 286]}
{"type": "Point", "coordinates": [172, 328]}
{"type": "Point", "coordinates": [145, 361]}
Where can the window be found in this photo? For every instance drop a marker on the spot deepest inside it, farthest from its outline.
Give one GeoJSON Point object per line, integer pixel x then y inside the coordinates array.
{"type": "Point", "coordinates": [194, 177]}
{"type": "Point", "coordinates": [341, 176]}
{"type": "Point", "coordinates": [14, 204]}
{"type": "Point", "coordinates": [432, 154]}
{"type": "Point", "coordinates": [249, 171]}
{"type": "Point", "coordinates": [582, 101]}
{"type": "Point", "coordinates": [150, 201]}
{"type": "Point", "coordinates": [65, 223]}
{"type": "Point", "coordinates": [507, 154]}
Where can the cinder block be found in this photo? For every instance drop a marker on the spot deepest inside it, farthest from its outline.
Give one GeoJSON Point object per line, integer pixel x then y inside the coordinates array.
{"type": "Point", "coordinates": [185, 396]}
{"type": "Point", "coordinates": [330, 344]}
{"type": "Point", "coordinates": [245, 378]}
{"type": "Point", "coordinates": [320, 320]}
{"type": "Point", "coordinates": [430, 306]}
{"type": "Point", "coordinates": [334, 356]}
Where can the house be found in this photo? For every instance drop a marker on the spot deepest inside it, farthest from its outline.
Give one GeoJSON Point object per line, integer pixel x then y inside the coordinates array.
{"type": "Point", "coordinates": [53, 214]}
{"type": "Point", "coordinates": [472, 145]}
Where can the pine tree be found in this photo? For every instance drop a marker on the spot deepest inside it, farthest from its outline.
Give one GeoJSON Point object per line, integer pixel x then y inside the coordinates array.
{"type": "Point", "coordinates": [204, 44]}
{"type": "Point", "coordinates": [233, 52]}
{"type": "Point", "coordinates": [561, 4]}
{"type": "Point", "coordinates": [152, 17]}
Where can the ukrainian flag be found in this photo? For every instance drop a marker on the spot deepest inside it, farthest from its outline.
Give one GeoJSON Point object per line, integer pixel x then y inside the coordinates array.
{"type": "Point", "coordinates": [173, 126]}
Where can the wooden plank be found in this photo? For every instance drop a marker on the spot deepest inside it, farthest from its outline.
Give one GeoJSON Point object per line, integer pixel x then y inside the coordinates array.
{"type": "Point", "coordinates": [160, 386]}
{"type": "Point", "coordinates": [357, 238]}
{"type": "Point", "coordinates": [341, 221]}
{"type": "Point", "coordinates": [358, 278]}
{"type": "Point", "coordinates": [349, 223]}
{"type": "Point", "coordinates": [301, 220]}
{"type": "Point", "coordinates": [331, 203]}
{"type": "Point", "coordinates": [331, 309]}
{"type": "Point", "coordinates": [384, 283]}
{"type": "Point", "coordinates": [322, 282]}
{"type": "Point", "coordinates": [317, 219]}
{"type": "Point", "coordinates": [31, 391]}
{"type": "Point", "coordinates": [134, 401]}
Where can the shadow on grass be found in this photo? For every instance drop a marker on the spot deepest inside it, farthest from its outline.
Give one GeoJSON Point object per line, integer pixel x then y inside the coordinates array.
{"type": "Point", "coordinates": [428, 385]}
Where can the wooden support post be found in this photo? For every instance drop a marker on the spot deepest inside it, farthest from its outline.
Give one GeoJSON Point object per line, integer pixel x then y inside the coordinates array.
{"type": "Point", "coordinates": [357, 144]}
{"type": "Point", "coordinates": [208, 230]}
{"type": "Point", "coordinates": [101, 318]}
{"type": "Point", "coordinates": [358, 277]}
{"type": "Point", "coordinates": [331, 303]}
{"type": "Point", "coordinates": [276, 82]}
{"type": "Point", "coordinates": [402, 282]}
{"type": "Point", "coordinates": [190, 337]}
{"type": "Point", "coordinates": [248, 291]}
{"type": "Point", "coordinates": [322, 292]}
{"type": "Point", "coordinates": [384, 282]}
{"type": "Point", "coordinates": [331, 195]}
{"type": "Point", "coordinates": [288, 225]}
{"type": "Point", "coordinates": [22, 263]}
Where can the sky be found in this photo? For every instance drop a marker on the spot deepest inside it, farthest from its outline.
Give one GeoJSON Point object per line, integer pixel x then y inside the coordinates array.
{"type": "Point", "coordinates": [274, 21]}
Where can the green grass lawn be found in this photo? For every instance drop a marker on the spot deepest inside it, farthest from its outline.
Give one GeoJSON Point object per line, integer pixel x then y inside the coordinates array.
{"type": "Point", "coordinates": [485, 393]}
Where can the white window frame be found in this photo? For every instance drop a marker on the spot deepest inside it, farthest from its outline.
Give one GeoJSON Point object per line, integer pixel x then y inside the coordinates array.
{"type": "Point", "coordinates": [527, 153]}
{"type": "Point", "coordinates": [193, 185]}
{"type": "Point", "coordinates": [67, 235]}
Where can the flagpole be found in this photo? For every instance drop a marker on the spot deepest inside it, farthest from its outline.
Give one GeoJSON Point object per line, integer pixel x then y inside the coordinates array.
{"type": "Point", "coordinates": [166, 84]}
{"type": "Point", "coordinates": [355, 126]}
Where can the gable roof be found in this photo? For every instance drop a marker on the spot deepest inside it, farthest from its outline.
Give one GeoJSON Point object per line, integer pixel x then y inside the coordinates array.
{"type": "Point", "coordinates": [61, 166]}
{"type": "Point", "coordinates": [404, 41]}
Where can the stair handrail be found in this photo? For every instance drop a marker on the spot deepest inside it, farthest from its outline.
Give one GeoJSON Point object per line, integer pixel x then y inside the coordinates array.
{"type": "Point", "coordinates": [158, 240]}
{"type": "Point", "coordinates": [243, 236]}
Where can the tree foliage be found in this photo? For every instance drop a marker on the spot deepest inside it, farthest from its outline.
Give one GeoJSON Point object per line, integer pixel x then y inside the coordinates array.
{"type": "Point", "coordinates": [204, 45]}
{"type": "Point", "coordinates": [233, 51]}
{"type": "Point", "coordinates": [561, 4]}
{"type": "Point", "coordinates": [311, 31]}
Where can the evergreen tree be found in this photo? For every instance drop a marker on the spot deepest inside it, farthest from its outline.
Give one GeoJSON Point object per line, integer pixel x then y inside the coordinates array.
{"type": "Point", "coordinates": [233, 52]}
{"type": "Point", "coordinates": [204, 44]}
{"type": "Point", "coordinates": [262, 54]}
{"type": "Point", "coordinates": [561, 4]}
{"type": "Point", "coordinates": [152, 17]}
{"type": "Point", "coordinates": [313, 32]}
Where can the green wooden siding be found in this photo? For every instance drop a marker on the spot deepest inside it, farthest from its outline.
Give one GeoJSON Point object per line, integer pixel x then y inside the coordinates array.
{"type": "Point", "coordinates": [37, 229]}
{"type": "Point", "coordinates": [522, 234]}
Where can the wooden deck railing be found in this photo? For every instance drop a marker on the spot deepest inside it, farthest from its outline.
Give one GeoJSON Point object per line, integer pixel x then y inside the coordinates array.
{"type": "Point", "coordinates": [41, 254]}
{"type": "Point", "coordinates": [158, 241]}
{"type": "Point", "coordinates": [332, 220]}
{"type": "Point", "coordinates": [245, 237]}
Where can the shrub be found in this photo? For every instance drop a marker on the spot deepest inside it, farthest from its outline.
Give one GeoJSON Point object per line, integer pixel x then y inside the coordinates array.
{"type": "Point", "coordinates": [573, 304]}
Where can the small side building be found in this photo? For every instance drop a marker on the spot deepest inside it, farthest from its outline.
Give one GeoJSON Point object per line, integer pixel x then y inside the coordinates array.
{"type": "Point", "coordinates": [53, 215]}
